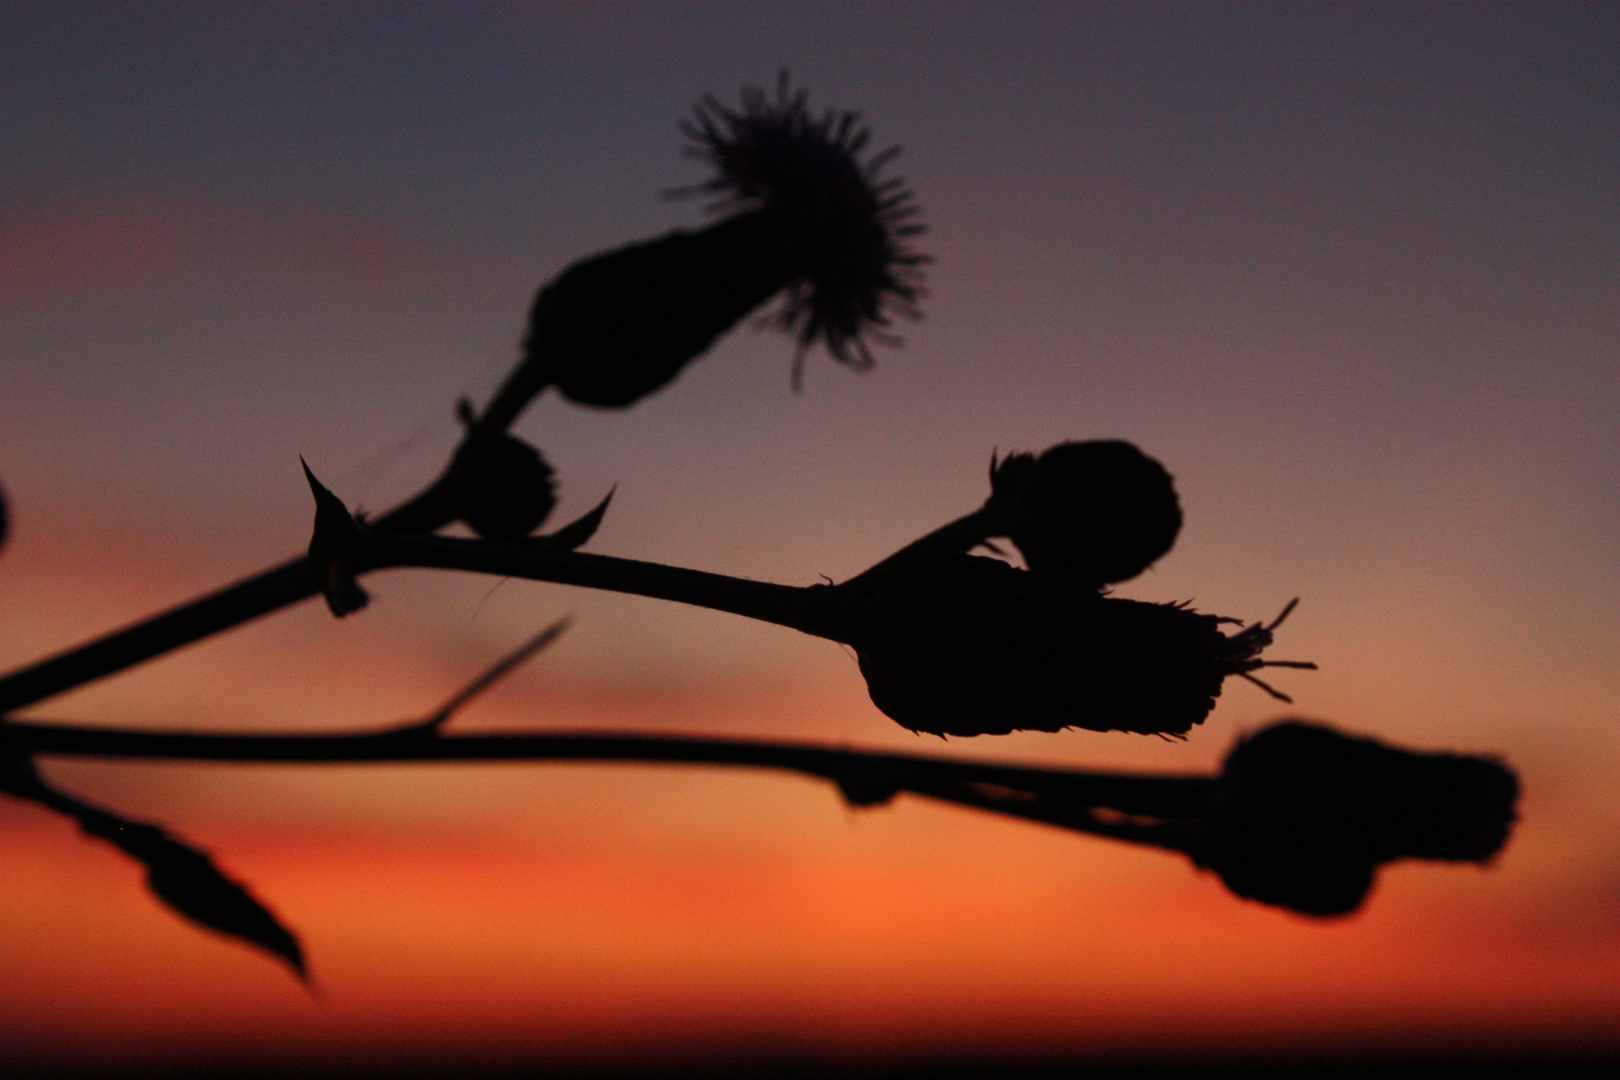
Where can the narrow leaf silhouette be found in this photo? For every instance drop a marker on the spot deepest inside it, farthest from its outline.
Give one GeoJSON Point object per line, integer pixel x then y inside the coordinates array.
{"type": "Point", "coordinates": [576, 533]}
{"type": "Point", "coordinates": [183, 878]}
{"type": "Point", "coordinates": [488, 678]}
{"type": "Point", "coordinates": [330, 547]}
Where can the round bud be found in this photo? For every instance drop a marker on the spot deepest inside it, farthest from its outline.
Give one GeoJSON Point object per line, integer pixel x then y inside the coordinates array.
{"type": "Point", "coordinates": [1304, 815]}
{"type": "Point", "coordinates": [503, 487]}
{"type": "Point", "coordinates": [1086, 514]}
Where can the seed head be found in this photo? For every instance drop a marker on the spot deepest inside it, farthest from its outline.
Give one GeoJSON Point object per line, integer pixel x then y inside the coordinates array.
{"type": "Point", "coordinates": [618, 326]}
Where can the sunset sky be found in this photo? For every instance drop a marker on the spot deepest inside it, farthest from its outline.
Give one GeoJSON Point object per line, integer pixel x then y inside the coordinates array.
{"type": "Point", "coordinates": [1350, 271]}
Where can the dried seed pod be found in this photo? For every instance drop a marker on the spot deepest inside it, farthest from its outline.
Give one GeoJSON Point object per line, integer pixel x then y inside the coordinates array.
{"type": "Point", "coordinates": [502, 487]}
{"type": "Point", "coordinates": [1304, 815]}
{"type": "Point", "coordinates": [805, 217]}
{"type": "Point", "coordinates": [1086, 514]}
{"type": "Point", "coordinates": [964, 645]}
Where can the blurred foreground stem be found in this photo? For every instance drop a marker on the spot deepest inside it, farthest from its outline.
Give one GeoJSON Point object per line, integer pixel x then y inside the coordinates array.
{"type": "Point", "coordinates": [1059, 796]}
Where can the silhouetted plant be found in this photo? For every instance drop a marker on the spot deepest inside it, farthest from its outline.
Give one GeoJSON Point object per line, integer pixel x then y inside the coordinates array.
{"type": "Point", "coordinates": [1300, 817]}
{"type": "Point", "coordinates": [183, 878]}
{"type": "Point", "coordinates": [806, 218]}
{"type": "Point", "coordinates": [950, 642]}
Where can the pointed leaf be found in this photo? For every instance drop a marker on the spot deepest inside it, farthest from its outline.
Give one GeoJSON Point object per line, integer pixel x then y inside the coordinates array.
{"type": "Point", "coordinates": [334, 540]}
{"type": "Point", "coordinates": [19, 777]}
{"type": "Point", "coordinates": [188, 882]}
{"type": "Point", "coordinates": [488, 678]}
{"type": "Point", "coordinates": [183, 878]}
{"type": "Point", "coordinates": [575, 534]}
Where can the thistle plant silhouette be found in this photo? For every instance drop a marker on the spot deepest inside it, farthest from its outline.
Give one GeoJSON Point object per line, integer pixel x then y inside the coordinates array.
{"type": "Point", "coordinates": [950, 641]}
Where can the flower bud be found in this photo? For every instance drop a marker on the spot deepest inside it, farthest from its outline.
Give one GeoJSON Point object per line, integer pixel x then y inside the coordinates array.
{"type": "Point", "coordinates": [501, 486]}
{"type": "Point", "coordinates": [1086, 514]}
{"type": "Point", "coordinates": [964, 645]}
{"type": "Point", "coordinates": [1304, 815]}
{"type": "Point", "coordinates": [807, 219]}
{"type": "Point", "coordinates": [613, 328]}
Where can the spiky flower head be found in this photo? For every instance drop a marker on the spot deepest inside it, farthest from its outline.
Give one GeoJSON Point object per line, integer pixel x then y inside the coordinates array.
{"type": "Point", "coordinates": [804, 219]}
{"type": "Point", "coordinates": [847, 223]}
{"type": "Point", "coordinates": [964, 645]}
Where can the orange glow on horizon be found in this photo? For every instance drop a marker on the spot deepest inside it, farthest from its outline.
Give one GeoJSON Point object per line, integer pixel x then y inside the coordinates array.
{"type": "Point", "coordinates": [569, 952]}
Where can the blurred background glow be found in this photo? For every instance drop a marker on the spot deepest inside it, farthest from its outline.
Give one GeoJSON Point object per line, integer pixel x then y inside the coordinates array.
{"type": "Point", "coordinates": [1348, 270]}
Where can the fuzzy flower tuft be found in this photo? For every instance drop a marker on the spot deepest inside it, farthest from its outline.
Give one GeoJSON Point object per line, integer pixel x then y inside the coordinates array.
{"type": "Point", "coordinates": [847, 223]}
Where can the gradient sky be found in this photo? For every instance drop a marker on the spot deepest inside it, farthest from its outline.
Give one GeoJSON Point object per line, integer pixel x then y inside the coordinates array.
{"type": "Point", "coordinates": [1349, 270]}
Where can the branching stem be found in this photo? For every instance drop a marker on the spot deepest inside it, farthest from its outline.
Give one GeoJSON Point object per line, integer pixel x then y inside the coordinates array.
{"type": "Point", "coordinates": [246, 600]}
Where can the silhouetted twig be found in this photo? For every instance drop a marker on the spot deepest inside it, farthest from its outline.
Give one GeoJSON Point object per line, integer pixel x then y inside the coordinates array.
{"type": "Point", "coordinates": [1300, 816]}
{"type": "Point", "coordinates": [949, 642]}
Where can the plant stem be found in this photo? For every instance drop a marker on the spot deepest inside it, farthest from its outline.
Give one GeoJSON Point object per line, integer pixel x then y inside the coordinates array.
{"type": "Point", "coordinates": [957, 536]}
{"type": "Point", "coordinates": [820, 610]}
{"type": "Point", "coordinates": [204, 617]}
{"type": "Point", "coordinates": [244, 601]}
{"type": "Point", "coordinates": [235, 604]}
{"type": "Point", "coordinates": [974, 783]}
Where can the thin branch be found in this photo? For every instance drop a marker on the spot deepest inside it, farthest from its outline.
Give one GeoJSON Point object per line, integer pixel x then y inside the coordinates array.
{"type": "Point", "coordinates": [856, 772]}
{"type": "Point", "coordinates": [820, 610]}
{"type": "Point", "coordinates": [484, 681]}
